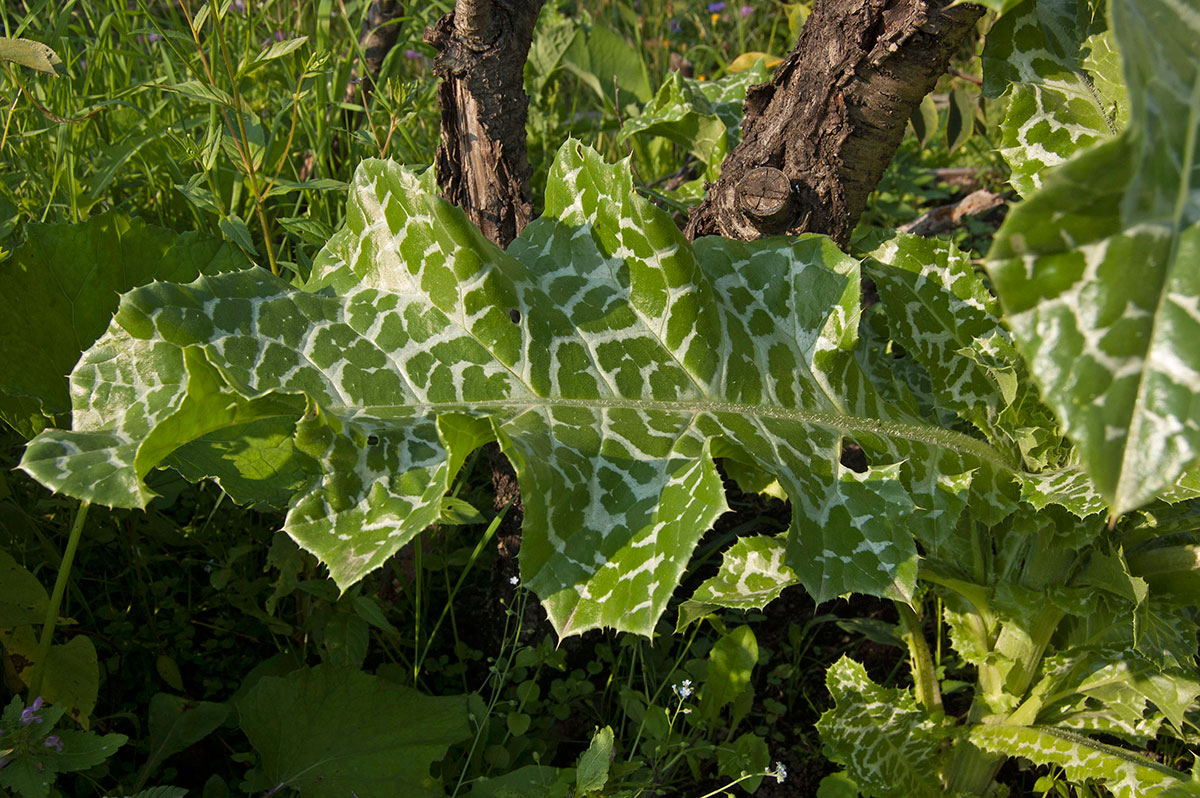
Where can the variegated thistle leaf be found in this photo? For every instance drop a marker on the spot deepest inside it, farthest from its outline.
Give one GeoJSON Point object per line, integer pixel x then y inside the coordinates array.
{"type": "Point", "coordinates": [753, 573]}
{"type": "Point", "coordinates": [605, 353]}
{"type": "Point", "coordinates": [888, 744]}
{"type": "Point", "coordinates": [1099, 272]}
{"type": "Point", "coordinates": [1123, 773]}
{"type": "Point", "coordinates": [1061, 74]}
{"type": "Point", "coordinates": [944, 317]}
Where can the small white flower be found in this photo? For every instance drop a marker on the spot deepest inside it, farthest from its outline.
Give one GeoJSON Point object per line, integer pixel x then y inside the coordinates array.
{"type": "Point", "coordinates": [780, 773]}
{"type": "Point", "coordinates": [683, 689]}
{"type": "Point", "coordinates": [516, 580]}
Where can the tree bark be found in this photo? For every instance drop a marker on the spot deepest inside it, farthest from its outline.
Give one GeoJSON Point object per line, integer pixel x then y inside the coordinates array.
{"type": "Point", "coordinates": [817, 138]}
{"type": "Point", "coordinates": [482, 164]}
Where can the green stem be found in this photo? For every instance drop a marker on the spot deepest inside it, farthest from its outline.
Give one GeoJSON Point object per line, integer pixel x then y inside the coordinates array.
{"type": "Point", "coordinates": [60, 587]}
{"type": "Point", "coordinates": [924, 676]}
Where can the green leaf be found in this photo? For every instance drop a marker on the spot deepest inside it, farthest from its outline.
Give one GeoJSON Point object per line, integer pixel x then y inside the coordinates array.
{"type": "Point", "coordinates": [752, 574]}
{"type": "Point", "coordinates": [31, 765]}
{"type": "Point", "coordinates": [605, 353]}
{"type": "Point", "coordinates": [71, 678]}
{"type": "Point", "coordinates": [60, 288]}
{"type": "Point", "coordinates": [1057, 107]}
{"type": "Point", "coordinates": [605, 62]}
{"type": "Point", "coordinates": [888, 745]}
{"type": "Point", "coordinates": [704, 117]}
{"type": "Point", "coordinates": [837, 785]}
{"type": "Point", "coordinates": [592, 771]}
{"type": "Point", "coordinates": [272, 52]}
{"type": "Point", "coordinates": [745, 755]}
{"type": "Point", "coordinates": [1097, 273]}
{"type": "Point", "coordinates": [34, 55]}
{"type": "Point", "coordinates": [204, 92]}
{"type": "Point", "coordinates": [730, 666]}
{"type": "Point", "coordinates": [1123, 773]}
{"type": "Point", "coordinates": [23, 600]}
{"type": "Point", "coordinates": [329, 731]}
{"type": "Point", "coordinates": [531, 781]}
{"type": "Point", "coordinates": [177, 724]}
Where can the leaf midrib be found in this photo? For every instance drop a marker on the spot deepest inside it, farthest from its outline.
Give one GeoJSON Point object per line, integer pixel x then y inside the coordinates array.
{"type": "Point", "coordinates": [937, 436]}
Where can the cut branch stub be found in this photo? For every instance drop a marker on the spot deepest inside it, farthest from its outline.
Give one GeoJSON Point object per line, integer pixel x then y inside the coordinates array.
{"type": "Point", "coordinates": [765, 197]}
{"type": "Point", "coordinates": [835, 111]}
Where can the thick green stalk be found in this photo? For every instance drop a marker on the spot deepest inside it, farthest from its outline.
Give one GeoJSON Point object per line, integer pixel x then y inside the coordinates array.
{"type": "Point", "coordinates": [924, 676]}
{"type": "Point", "coordinates": [60, 587]}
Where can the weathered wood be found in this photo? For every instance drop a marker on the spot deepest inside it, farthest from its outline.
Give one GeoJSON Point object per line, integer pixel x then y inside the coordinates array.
{"type": "Point", "coordinates": [834, 113]}
{"type": "Point", "coordinates": [482, 164]}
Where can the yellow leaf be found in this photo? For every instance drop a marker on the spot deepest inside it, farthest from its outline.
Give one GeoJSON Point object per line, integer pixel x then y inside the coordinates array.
{"type": "Point", "coordinates": [746, 60]}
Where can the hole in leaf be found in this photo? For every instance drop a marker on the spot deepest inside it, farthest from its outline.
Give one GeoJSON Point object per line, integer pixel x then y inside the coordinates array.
{"type": "Point", "coordinates": [514, 315]}
{"type": "Point", "coordinates": [372, 440]}
{"type": "Point", "coordinates": [853, 457]}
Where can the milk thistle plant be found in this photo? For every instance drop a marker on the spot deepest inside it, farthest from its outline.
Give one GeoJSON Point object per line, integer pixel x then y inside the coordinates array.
{"type": "Point", "coordinates": [1030, 482]}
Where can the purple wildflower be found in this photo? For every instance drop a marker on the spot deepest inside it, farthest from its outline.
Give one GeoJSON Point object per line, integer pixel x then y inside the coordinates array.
{"type": "Point", "coordinates": [412, 55]}
{"type": "Point", "coordinates": [674, 25]}
{"type": "Point", "coordinates": [53, 742]}
{"type": "Point", "coordinates": [30, 713]}
{"type": "Point", "coordinates": [747, 11]}
{"type": "Point", "coordinates": [239, 5]}
{"type": "Point", "coordinates": [153, 37]}
{"type": "Point", "coordinates": [716, 8]}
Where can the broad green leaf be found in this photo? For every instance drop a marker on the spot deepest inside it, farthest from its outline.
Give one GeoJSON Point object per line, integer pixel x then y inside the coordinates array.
{"type": "Point", "coordinates": [71, 678]}
{"type": "Point", "coordinates": [888, 745]}
{"type": "Point", "coordinates": [272, 52]}
{"type": "Point", "coordinates": [531, 781]}
{"type": "Point", "coordinates": [1042, 53]}
{"type": "Point", "coordinates": [1110, 691]}
{"type": "Point", "coordinates": [34, 55]}
{"type": "Point", "coordinates": [31, 765]}
{"type": "Point", "coordinates": [177, 724]}
{"type": "Point", "coordinates": [753, 573]}
{"type": "Point", "coordinates": [702, 116]}
{"type": "Point", "coordinates": [605, 62]}
{"type": "Point", "coordinates": [938, 309]}
{"type": "Point", "coordinates": [594, 763]}
{"type": "Point", "coordinates": [607, 354]}
{"type": "Point", "coordinates": [746, 754]}
{"type": "Point", "coordinates": [1068, 487]}
{"type": "Point", "coordinates": [329, 731]}
{"type": "Point", "coordinates": [59, 291]}
{"type": "Point", "coordinates": [204, 92]}
{"type": "Point", "coordinates": [1098, 274]}
{"type": "Point", "coordinates": [731, 664]}
{"type": "Point", "coordinates": [23, 600]}
{"type": "Point", "coordinates": [552, 37]}
{"type": "Point", "coordinates": [1124, 773]}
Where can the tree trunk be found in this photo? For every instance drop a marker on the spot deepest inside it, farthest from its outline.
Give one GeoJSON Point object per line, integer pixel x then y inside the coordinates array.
{"type": "Point", "coordinates": [482, 165]}
{"type": "Point", "coordinates": [817, 138]}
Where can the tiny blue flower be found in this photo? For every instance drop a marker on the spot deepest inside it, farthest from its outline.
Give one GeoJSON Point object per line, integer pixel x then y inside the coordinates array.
{"type": "Point", "coordinates": [780, 773]}
{"type": "Point", "coordinates": [683, 689]}
{"type": "Point", "coordinates": [53, 742]}
{"type": "Point", "coordinates": [30, 713]}
{"type": "Point", "coordinates": [516, 580]}
{"type": "Point", "coordinates": [716, 8]}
